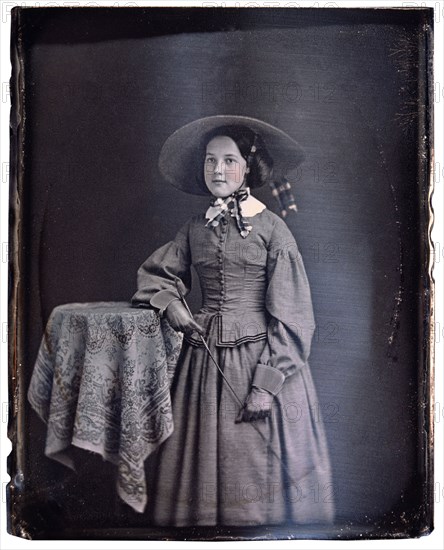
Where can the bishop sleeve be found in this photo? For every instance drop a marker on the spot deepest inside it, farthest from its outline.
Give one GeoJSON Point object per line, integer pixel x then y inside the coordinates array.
{"type": "Point", "coordinates": [157, 276]}
{"type": "Point", "coordinates": [288, 301]}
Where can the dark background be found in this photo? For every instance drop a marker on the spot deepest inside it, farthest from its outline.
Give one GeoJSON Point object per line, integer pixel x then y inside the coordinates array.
{"type": "Point", "coordinates": [105, 87]}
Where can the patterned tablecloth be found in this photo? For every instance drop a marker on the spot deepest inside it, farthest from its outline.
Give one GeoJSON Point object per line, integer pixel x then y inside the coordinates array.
{"type": "Point", "coordinates": [101, 382]}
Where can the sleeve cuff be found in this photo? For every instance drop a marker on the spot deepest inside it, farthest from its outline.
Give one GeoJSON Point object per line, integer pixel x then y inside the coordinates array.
{"type": "Point", "coordinates": [268, 378]}
{"type": "Point", "coordinates": [162, 299]}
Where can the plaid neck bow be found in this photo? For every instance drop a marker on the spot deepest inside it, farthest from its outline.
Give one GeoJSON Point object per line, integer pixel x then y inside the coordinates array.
{"type": "Point", "coordinates": [219, 208]}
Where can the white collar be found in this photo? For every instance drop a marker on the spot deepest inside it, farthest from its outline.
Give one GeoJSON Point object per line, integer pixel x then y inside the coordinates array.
{"type": "Point", "coordinates": [251, 206]}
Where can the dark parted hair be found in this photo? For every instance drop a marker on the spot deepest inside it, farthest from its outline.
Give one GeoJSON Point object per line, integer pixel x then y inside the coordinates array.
{"type": "Point", "coordinates": [261, 163]}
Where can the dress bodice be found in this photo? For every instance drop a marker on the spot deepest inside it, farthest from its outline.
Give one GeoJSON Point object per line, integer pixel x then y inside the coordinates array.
{"type": "Point", "coordinates": [252, 287]}
{"type": "Point", "coordinates": [232, 273]}
{"type": "Point", "coordinates": [231, 270]}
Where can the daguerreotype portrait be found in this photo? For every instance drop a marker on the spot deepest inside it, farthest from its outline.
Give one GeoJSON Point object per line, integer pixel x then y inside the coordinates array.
{"type": "Point", "coordinates": [220, 292]}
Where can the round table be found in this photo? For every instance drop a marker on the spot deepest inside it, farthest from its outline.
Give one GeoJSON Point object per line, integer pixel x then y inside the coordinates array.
{"type": "Point", "coordinates": [101, 382]}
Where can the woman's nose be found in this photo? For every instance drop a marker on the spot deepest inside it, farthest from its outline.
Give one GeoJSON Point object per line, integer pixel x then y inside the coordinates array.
{"type": "Point", "coordinates": [219, 167]}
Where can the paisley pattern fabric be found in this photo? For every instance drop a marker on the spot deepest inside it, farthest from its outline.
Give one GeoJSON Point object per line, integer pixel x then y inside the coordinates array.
{"type": "Point", "coordinates": [101, 382]}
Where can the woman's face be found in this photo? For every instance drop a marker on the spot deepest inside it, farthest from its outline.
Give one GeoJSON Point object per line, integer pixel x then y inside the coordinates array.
{"type": "Point", "coordinates": [224, 166]}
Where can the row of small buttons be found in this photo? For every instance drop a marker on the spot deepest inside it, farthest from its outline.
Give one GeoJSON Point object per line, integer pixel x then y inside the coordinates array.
{"type": "Point", "coordinates": [222, 237]}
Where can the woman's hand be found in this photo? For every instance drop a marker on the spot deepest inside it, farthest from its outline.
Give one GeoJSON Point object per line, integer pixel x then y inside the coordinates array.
{"type": "Point", "coordinates": [257, 406]}
{"type": "Point", "coordinates": [179, 318]}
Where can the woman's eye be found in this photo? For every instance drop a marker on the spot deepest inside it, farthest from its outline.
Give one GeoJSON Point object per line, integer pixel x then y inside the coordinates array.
{"type": "Point", "coordinates": [229, 161]}
{"type": "Point", "coordinates": [210, 160]}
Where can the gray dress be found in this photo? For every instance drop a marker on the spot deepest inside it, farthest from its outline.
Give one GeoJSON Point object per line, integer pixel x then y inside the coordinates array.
{"type": "Point", "coordinates": [258, 317]}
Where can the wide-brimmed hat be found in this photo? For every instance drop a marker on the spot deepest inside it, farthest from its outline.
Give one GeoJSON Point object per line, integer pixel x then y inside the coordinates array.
{"type": "Point", "coordinates": [179, 157]}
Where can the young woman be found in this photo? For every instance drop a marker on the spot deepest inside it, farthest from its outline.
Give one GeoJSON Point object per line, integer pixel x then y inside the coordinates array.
{"type": "Point", "coordinates": [257, 319]}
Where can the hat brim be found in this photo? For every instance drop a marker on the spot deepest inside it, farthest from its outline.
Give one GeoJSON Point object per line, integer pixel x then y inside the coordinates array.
{"type": "Point", "coordinates": [178, 159]}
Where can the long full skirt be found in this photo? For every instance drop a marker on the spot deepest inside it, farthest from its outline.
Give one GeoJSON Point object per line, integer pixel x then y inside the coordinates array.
{"type": "Point", "coordinates": [213, 471]}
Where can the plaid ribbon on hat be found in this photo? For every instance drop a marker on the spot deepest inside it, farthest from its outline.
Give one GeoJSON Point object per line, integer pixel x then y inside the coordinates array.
{"type": "Point", "coordinates": [281, 191]}
{"type": "Point", "coordinates": [219, 208]}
